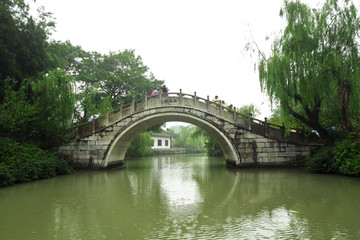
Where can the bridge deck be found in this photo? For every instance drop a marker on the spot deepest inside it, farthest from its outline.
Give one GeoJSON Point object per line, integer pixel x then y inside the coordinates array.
{"type": "Point", "coordinates": [193, 101]}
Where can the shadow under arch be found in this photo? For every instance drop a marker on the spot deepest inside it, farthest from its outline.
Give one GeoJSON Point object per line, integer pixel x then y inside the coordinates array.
{"type": "Point", "coordinates": [117, 149]}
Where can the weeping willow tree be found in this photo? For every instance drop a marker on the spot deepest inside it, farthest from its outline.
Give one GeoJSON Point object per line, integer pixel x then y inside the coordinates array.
{"type": "Point", "coordinates": [141, 146]}
{"type": "Point", "coordinates": [41, 110]}
{"type": "Point", "coordinates": [54, 99]}
{"type": "Point", "coordinates": [314, 67]}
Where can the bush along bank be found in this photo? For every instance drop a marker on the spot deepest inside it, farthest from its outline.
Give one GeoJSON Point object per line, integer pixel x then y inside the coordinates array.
{"type": "Point", "coordinates": [342, 158]}
{"type": "Point", "coordinates": [26, 162]}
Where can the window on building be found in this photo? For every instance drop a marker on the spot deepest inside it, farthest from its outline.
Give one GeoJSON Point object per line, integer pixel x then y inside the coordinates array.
{"type": "Point", "coordinates": [159, 142]}
{"type": "Point", "coordinates": [166, 142]}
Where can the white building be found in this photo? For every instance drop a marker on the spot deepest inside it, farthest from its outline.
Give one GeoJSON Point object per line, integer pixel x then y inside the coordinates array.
{"type": "Point", "coordinates": [162, 140]}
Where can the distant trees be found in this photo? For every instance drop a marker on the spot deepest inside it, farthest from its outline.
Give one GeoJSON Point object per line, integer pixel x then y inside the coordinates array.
{"type": "Point", "coordinates": [314, 67]}
{"type": "Point", "coordinates": [187, 141]}
{"type": "Point", "coordinates": [246, 109]}
{"type": "Point", "coordinates": [212, 146]}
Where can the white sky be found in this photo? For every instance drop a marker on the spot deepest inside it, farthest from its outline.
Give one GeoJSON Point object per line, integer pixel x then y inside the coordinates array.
{"type": "Point", "coordinates": [194, 45]}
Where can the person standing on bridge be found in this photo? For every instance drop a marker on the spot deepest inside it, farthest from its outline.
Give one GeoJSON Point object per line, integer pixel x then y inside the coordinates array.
{"type": "Point", "coordinates": [216, 99]}
{"type": "Point", "coordinates": [164, 90]}
{"type": "Point", "coordinates": [154, 93]}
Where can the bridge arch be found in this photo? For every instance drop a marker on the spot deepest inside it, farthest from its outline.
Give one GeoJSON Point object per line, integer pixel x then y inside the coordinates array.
{"type": "Point", "coordinates": [117, 149]}
{"type": "Point", "coordinates": [245, 141]}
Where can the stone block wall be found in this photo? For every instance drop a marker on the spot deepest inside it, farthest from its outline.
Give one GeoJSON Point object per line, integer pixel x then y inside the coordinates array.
{"type": "Point", "coordinates": [256, 150]}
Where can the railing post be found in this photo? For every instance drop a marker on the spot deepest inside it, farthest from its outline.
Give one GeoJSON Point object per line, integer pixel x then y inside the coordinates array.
{"type": "Point", "coordinates": [220, 108]}
{"type": "Point", "coordinates": [195, 99]}
{"type": "Point", "coordinates": [121, 111]}
{"type": "Point", "coordinates": [235, 114]}
{"type": "Point", "coordinates": [180, 97]}
{"type": "Point", "coordinates": [250, 120]}
{"type": "Point", "coordinates": [146, 102]}
{"type": "Point", "coordinates": [303, 133]}
{"type": "Point", "coordinates": [266, 127]}
{"type": "Point", "coordinates": [283, 130]}
{"type": "Point", "coordinates": [208, 103]}
{"type": "Point", "coordinates": [160, 99]}
{"type": "Point", "coordinates": [77, 133]}
{"type": "Point", "coordinates": [133, 105]}
{"type": "Point", "coordinates": [107, 118]}
{"type": "Point", "coordinates": [93, 125]}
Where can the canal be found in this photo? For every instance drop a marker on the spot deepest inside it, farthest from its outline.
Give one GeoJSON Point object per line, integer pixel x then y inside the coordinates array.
{"type": "Point", "coordinates": [183, 197]}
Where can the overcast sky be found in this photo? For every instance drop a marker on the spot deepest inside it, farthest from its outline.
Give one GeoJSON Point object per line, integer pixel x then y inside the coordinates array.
{"type": "Point", "coordinates": [193, 45]}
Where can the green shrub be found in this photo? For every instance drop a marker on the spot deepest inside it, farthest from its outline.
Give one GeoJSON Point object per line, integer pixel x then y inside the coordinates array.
{"type": "Point", "coordinates": [26, 162]}
{"type": "Point", "coordinates": [322, 161]}
{"type": "Point", "coordinates": [348, 157]}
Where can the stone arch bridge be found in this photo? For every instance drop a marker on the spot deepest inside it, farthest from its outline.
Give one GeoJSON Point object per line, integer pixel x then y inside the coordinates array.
{"type": "Point", "coordinates": [245, 141]}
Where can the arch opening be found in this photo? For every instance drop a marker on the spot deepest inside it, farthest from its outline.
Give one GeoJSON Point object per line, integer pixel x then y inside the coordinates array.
{"type": "Point", "coordinates": [117, 150]}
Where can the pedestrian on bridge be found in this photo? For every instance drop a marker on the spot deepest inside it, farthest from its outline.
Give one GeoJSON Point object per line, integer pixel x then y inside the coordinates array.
{"type": "Point", "coordinates": [164, 90]}
{"type": "Point", "coordinates": [155, 92]}
{"type": "Point", "coordinates": [216, 99]}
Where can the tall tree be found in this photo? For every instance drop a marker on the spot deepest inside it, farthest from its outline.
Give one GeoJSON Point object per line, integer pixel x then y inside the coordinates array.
{"type": "Point", "coordinates": [117, 77]}
{"type": "Point", "coordinates": [314, 63]}
{"type": "Point", "coordinates": [23, 42]}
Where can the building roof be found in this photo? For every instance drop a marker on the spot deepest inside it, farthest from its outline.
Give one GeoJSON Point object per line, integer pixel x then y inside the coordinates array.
{"type": "Point", "coordinates": [164, 134]}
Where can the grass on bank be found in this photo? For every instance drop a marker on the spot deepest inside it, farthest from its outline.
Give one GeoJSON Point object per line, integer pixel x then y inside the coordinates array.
{"type": "Point", "coordinates": [24, 162]}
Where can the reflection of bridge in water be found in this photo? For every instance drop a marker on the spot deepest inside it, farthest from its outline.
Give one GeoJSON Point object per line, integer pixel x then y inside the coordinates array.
{"type": "Point", "coordinates": [245, 141]}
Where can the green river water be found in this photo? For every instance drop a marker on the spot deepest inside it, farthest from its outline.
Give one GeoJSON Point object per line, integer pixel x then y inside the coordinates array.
{"type": "Point", "coordinates": [183, 197]}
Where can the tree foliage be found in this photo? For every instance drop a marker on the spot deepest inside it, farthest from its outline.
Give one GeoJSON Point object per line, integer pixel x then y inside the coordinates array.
{"type": "Point", "coordinates": [54, 99]}
{"type": "Point", "coordinates": [116, 78]}
{"type": "Point", "coordinates": [246, 109]}
{"type": "Point", "coordinates": [212, 146]}
{"type": "Point", "coordinates": [47, 85]}
{"type": "Point", "coordinates": [314, 67]}
{"type": "Point", "coordinates": [23, 43]}
{"type": "Point", "coordinates": [185, 140]}
{"type": "Point", "coordinates": [141, 146]}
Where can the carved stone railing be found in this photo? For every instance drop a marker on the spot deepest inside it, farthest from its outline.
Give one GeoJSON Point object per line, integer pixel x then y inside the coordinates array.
{"type": "Point", "coordinates": [193, 101]}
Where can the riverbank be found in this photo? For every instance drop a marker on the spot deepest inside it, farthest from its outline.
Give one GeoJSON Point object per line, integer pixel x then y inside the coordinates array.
{"type": "Point", "coordinates": [24, 162]}
{"type": "Point", "coordinates": [171, 151]}
{"type": "Point", "coordinates": [341, 158]}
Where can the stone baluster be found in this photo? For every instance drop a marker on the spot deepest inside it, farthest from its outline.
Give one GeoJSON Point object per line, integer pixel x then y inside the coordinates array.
{"type": "Point", "coordinates": [220, 112]}
{"type": "Point", "coordinates": [195, 99]}
{"type": "Point", "coordinates": [180, 97]}
{"type": "Point", "coordinates": [208, 103]}
{"type": "Point", "coordinates": [250, 120]}
{"type": "Point", "coordinates": [266, 127]}
{"type": "Point", "coordinates": [283, 130]}
{"type": "Point", "coordinates": [93, 125]}
{"type": "Point", "coordinates": [133, 105]}
{"type": "Point", "coordinates": [107, 119]}
{"type": "Point", "coordinates": [121, 111]}
{"type": "Point", "coordinates": [146, 101]}
{"type": "Point", "coordinates": [235, 114]}
{"type": "Point", "coordinates": [302, 133]}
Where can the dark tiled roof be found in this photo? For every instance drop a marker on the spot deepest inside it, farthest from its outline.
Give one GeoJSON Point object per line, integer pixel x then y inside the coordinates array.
{"type": "Point", "coordinates": [164, 134]}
